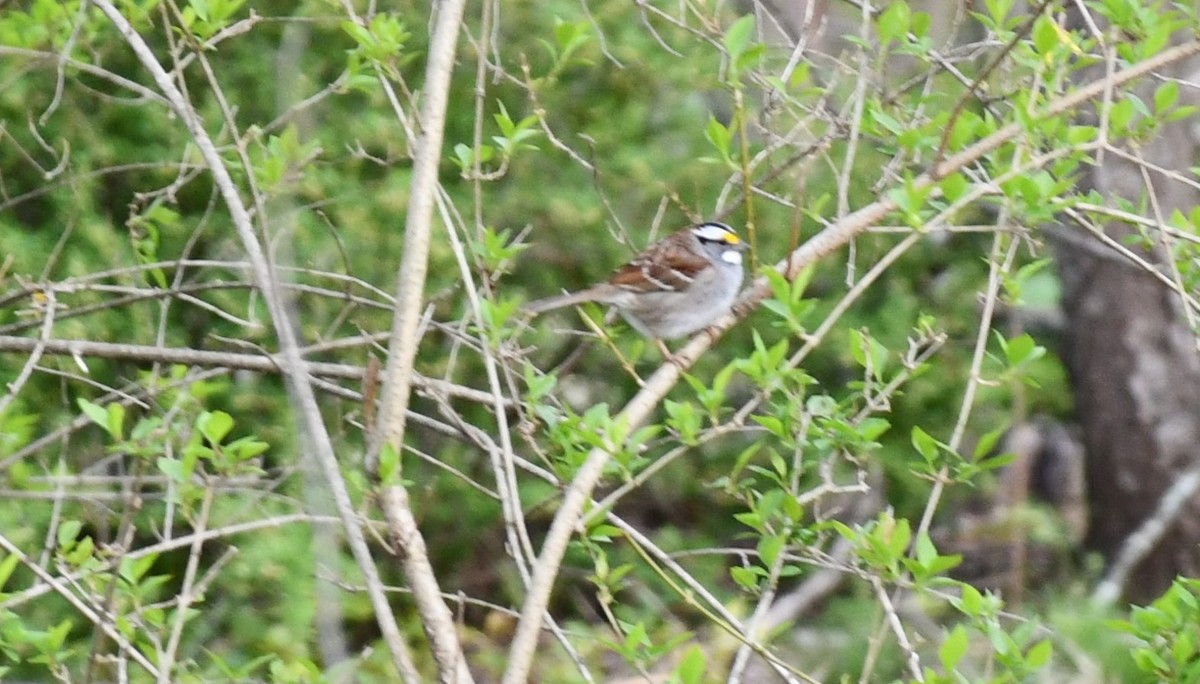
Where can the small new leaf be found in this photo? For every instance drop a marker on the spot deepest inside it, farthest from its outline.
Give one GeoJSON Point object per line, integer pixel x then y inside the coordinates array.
{"type": "Point", "coordinates": [925, 445]}
{"type": "Point", "coordinates": [389, 465]}
{"type": "Point", "coordinates": [68, 532]}
{"type": "Point", "coordinates": [893, 23]}
{"type": "Point", "coordinates": [953, 648]}
{"type": "Point", "coordinates": [737, 37]}
{"type": "Point", "coordinates": [692, 666]}
{"type": "Point", "coordinates": [111, 418]}
{"type": "Point", "coordinates": [214, 425]}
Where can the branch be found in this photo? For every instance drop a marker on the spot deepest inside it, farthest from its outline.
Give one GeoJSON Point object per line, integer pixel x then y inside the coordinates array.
{"type": "Point", "coordinates": [1143, 540]}
{"type": "Point", "coordinates": [84, 609]}
{"type": "Point", "coordinates": [436, 619]}
{"type": "Point", "coordinates": [62, 60]}
{"type": "Point", "coordinates": [262, 363]}
{"type": "Point", "coordinates": [828, 240]}
{"type": "Point", "coordinates": [296, 368]}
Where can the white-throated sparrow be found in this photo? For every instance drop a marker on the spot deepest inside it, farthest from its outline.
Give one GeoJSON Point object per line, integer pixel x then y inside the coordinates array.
{"type": "Point", "coordinates": [677, 286]}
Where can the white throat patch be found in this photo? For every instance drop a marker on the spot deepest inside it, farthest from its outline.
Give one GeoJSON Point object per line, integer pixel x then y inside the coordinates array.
{"type": "Point", "coordinates": [731, 256]}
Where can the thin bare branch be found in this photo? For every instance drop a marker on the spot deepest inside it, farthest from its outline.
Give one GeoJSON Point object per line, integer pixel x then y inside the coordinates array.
{"type": "Point", "coordinates": [296, 366]}
{"type": "Point", "coordinates": [639, 407]}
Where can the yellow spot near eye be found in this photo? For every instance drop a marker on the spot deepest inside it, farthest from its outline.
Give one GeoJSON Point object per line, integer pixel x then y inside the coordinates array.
{"type": "Point", "coordinates": [732, 239]}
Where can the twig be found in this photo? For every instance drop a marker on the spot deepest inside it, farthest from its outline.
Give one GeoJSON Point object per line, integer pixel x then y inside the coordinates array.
{"type": "Point", "coordinates": [187, 593]}
{"type": "Point", "coordinates": [639, 408]}
{"type": "Point", "coordinates": [973, 88]}
{"type": "Point", "coordinates": [296, 367]}
{"type": "Point", "coordinates": [61, 59]}
{"type": "Point", "coordinates": [53, 584]}
{"type": "Point", "coordinates": [37, 348]}
{"type": "Point", "coordinates": [998, 269]}
{"type": "Point", "coordinates": [436, 618]}
{"type": "Point", "coordinates": [1143, 540]}
{"type": "Point", "coordinates": [262, 363]}
{"type": "Point", "coordinates": [893, 620]}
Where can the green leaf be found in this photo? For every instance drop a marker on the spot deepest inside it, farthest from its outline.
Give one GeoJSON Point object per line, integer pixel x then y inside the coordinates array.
{"type": "Point", "coordinates": [868, 352]}
{"type": "Point", "coordinates": [971, 601]}
{"type": "Point", "coordinates": [1039, 655]}
{"type": "Point", "coordinates": [81, 552]}
{"type": "Point", "coordinates": [134, 570]}
{"type": "Point", "coordinates": [174, 469]}
{"type": "Point", "coordinates": [1045, 35]}
{"type": "Point", "coordinates": [116, 420]}
{"type": "Point", "coordinates": [1023, 349]}
{"type": "Point", "coordinates": [356, 31]}
{"type": "Point", "coordinates": [1180, 113]}
{"type": "Point", "coordinates": [146, 428]}
{"type": "Point", "coordinates": [769, 548]}
{"type": "Point", "coordinates": [751, 57]}
{"type": "Point", "coordinates": [570, 36]}
{"type": "Point", "coordinates": [200, 7]}
{"type": "Point", "coordinates": [780, 466]}
{"type": "Point", "coordinates": [987, 443]}
{"type": "Point", "coordinates": [872, 428]}
{"type": "Point", "coordinates": [389, 465]}
{"type": "Point", "coordinates": [464, 156]}
{"type": "Point", "coordinates": [821, 406]}
{"type": "Point", "coordinates": [214, 425]}
{"type": "Point", "coordinates": [737, 36]}
{"type": "Point", "coordinates": [743, 459]}
{"type": "Point", "coordinates": [1166, 96]}
{"type": "Point", "coordinates": [745, 577]}
{"type": "Point", "coordinates": [920, 23]}
{"type": "Point", "coordinates": [925, 445]}
{"type": "Point", "coordinates": [926, 551]}
{"type": "Point", "coordinates": [68, 532]}
{"type": "Point", "coordinates": [692, 666]}
{"type": "Point", "coordinates": [246, 448]}
{"type": "Point", "coordinates": [963, 129]}
{"type": "Point", "coordinates": [793, 509]}
{"type": "Point", "coordinates": [954, 186]}
{"type": "Point", "coordinates": [750, 519]}
{"type": "Point", "coordinates": [57, 635]}
{"type": "Point", "coordinates": [898, 536]}
{"type": "Point", "coordinates": [953, 648]}
{"type": "Point", "coordinates": [538, 385]}
{"type": "Point", "coordinates": [1120, 114]}
{"type": "Point", "coordinates": [893, 22]}
{"type": "Point", "coordinates": [636, 636]}
{"type": "Point", "coordinates": [604, 533]}
{"type": "Point", "coordinates": [6, 568]}
{"type": "Point", "coordinates": [721, 139]}
{"type": "Point", "coordinates": [618, 573]}
{"type": "Point", "coordinates": [94, 412]}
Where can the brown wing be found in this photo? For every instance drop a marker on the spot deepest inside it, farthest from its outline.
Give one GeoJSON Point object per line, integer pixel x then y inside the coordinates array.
{"type": "Point", "coordinates": [665, 266]}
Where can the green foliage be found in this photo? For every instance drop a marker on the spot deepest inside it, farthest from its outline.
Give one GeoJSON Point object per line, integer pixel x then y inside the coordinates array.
{"type": "Point", "coordinates": [810, 439]}
{"type": "Point", "coordinates": [1167, 634]}
{"type": "Point", "coordinates": [205, 18]}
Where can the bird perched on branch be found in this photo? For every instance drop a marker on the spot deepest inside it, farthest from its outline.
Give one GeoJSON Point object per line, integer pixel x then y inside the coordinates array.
{"type": "Point", "coordinates": [675, 287]}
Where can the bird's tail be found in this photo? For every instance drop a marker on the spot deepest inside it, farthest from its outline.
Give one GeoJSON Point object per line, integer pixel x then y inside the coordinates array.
{"type": "Point", "coordinates": [550, 303]}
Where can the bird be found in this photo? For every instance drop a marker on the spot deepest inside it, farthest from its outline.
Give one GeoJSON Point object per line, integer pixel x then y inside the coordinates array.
{"type": "Point", "coordinates": [673, 288]}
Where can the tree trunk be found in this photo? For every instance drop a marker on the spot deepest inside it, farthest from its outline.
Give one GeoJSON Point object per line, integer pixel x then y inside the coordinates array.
{"type": "Point", "coordinates": [1135, 369]}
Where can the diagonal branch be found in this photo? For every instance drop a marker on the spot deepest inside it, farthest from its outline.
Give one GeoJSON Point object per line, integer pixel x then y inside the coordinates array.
{"type": "Point", "coordinates": [639, 408]}
{"type": "Point", "coordinates": [101, 621]}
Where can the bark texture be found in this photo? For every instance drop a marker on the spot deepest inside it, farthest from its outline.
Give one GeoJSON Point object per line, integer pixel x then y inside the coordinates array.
{"type": "Point", "coordinates": [1134, 365]}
